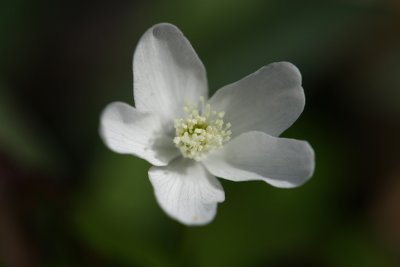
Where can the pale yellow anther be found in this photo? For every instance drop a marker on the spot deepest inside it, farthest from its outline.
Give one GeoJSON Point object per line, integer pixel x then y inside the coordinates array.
{"type": "Point", "coordinates": [201, 130]}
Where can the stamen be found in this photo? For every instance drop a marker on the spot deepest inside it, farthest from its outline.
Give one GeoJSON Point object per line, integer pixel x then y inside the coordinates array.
{"type": "Point", "coordinates": [201, 131]}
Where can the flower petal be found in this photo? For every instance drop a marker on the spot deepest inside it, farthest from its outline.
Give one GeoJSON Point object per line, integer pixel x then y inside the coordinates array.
{"type": "Point", "coordinates": [255, 155]}
{"type": "Point", "coordinates": [269, 100]}
{"type": "Point", "coordinates": [167, 72]}
{"type": "Point", "coordinates": [187, 191]}
{"type": "Point", "coordinates": [125, 130]}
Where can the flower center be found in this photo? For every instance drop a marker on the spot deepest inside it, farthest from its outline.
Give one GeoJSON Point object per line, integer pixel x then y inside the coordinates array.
{"type": "Point", "coordinates": [200, 131]}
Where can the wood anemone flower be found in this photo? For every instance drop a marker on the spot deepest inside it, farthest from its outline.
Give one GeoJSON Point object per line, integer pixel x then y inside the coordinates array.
{"type": "Point", "coordinates": [191, 139]}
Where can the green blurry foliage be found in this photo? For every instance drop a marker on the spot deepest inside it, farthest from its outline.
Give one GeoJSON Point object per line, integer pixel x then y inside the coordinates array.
{"type": "Point", "coordinates": [11, 21]}
{"type": "Point", "coordinates": [118, 215]}
{"type": "Point", "coordinates": [22, 138]}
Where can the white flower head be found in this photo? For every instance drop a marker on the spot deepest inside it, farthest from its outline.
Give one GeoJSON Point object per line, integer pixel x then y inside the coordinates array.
{"type": "Point", "coordinates": [191, 139]}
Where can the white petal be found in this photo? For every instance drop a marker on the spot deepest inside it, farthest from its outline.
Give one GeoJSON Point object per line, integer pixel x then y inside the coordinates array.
{"type": "Point", "coordinates": [187, 191]}
{"type": "Point", "coordinates": [269, 100]}
{"type": "Point", "coordinates": [125, 130]}
{"type": "Point", "coordinates": [280, 162]}
{"type": "Point", "coordinates": [167, 72]}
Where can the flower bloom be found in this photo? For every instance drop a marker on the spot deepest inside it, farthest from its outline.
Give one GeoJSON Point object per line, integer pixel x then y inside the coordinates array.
{"type": "Point", "coordinates": [191, 139]}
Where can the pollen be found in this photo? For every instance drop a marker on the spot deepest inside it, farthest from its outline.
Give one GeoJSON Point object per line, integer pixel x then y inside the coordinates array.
{"type": "Point", "coordinates": [201, 130]}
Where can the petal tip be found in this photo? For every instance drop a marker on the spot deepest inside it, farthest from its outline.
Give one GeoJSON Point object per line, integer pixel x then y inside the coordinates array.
{"type": "Point", "coordinates": [288, 69]}
{"type": "Point", "coordinates": [186, 192]}
{"type": "Point", "coordinates": [164, 25]}
{"type": "Point", "coordinates": [309, 166]}
{"type": "Point", "coordinates": [196, 220]}
{"type": "Point", "coordinates": [160, 30]}
{"type": "Point", "coordinates": [312, 160]}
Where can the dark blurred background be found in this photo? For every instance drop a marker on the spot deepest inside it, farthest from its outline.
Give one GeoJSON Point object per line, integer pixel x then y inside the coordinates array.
{"type": "Point", "coordinates": [66, 200]}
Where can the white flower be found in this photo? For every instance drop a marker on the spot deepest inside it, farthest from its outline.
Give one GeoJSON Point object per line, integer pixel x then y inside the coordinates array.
{"type": "Point", "coordinates": [191, 139]}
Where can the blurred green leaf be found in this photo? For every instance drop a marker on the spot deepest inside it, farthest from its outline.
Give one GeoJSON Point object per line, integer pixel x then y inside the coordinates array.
{"type": "Point", "coordinates": [10, 21]}
{"type": "Point", "coordinates": [117, 213]}
{"type": "Point", "coordinates": [22, 138]}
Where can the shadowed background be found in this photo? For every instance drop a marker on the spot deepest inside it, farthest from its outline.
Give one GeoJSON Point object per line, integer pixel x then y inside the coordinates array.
{"type": "Point", "coordinates": [66, 200]}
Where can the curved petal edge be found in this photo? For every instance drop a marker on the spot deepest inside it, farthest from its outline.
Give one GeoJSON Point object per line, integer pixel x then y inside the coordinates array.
{"type": "Point", "coordinates": [125, 130]}
{"type": "Point", "coordinates": [281, 162]}
{"type": "Point", "coordinates": [167, 72]}
{"type": "Point", "coordinates": [186, 191]}
{"type": "Point", "coordinates": [270, 100]}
